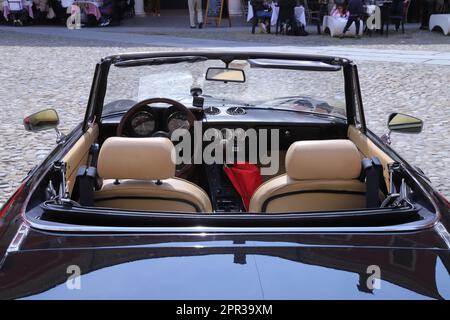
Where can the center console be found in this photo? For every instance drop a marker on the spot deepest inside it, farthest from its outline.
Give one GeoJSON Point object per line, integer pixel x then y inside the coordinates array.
{"type": "Point", "coordinates": [224, 196]}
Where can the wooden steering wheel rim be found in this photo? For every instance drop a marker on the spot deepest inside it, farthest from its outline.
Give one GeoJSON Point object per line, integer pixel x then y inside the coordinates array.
{"type": "Point", "coordinates": [178, 105]}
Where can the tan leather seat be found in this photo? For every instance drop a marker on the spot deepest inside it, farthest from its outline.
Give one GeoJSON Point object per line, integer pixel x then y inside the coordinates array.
{"type": "Point", "coordinates": [145, 173]}
{"type": "Point", "coordinates": [320, 176]}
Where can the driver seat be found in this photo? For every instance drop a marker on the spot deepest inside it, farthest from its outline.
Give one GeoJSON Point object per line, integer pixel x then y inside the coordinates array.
{"type": "Point", "coordinates": [139, 174]}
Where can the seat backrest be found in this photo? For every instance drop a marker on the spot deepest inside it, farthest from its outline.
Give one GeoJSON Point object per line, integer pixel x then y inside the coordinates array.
{"type": "Point", "coordinates": [136, 158]}
{"type": "Point", "coordinates": [320, 176]}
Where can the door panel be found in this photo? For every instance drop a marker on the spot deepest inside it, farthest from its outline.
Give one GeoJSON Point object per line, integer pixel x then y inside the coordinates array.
{"type": "Point", "coordinates": [369, 149]}
{"type": "Point", "coordinates": [79, 155]}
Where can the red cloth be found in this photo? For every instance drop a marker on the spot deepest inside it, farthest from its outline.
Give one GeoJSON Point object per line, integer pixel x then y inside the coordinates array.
{"type": "Point", "coordinates": [246, 178]}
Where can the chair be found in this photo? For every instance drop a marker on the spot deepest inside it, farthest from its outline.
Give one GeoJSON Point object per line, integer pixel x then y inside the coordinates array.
{"type": "Point", "coordinates": [129, 10]}
{"type": "Point", "coordinates": [440, 7]}
{"type": "Point", "coordinates": [256, 19]}
{"type": "Point", "coordinates": [244, 8]}
{"type": "Point", "coordinates": [314, 13]}
{"type": "Point", "coordinates": [16, 10]}
{"type": "Point", "coordinates": [286, 16]}
{"type": "Point", "coordinates": [401, 18]}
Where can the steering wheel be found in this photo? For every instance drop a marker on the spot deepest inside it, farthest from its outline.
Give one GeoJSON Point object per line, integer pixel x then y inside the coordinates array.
{"type": "Point", "coordinates": [182, 169]}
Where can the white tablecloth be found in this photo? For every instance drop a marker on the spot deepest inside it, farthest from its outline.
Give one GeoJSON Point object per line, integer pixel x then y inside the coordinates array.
{"type": "Point", "coordinates": [370, 9]}
{"type": "Point", "coordinates": [298, 11]}
{"type": "Point", "coordinates": [336, 26]}
{"type": "Point", "coordinates": [68, 3]}
{"type": "Point", "coordinates": [27, 5]}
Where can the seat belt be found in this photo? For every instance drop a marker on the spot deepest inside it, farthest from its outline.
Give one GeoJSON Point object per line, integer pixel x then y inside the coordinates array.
{"type": "Point", "coordinates": [85, 185]}
{"type": "Point", "coordinates": [86, 181]}
{"type": "Point", "coordinates": [94, 151]}
{"type": "Point", "coordinates": [372, 174]}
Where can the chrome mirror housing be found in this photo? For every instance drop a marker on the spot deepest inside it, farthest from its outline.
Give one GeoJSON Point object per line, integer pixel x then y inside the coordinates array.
{"type": "Point", "coordinates": [402, 123]}
{"type": "Point", "coordinates": [43, 120]}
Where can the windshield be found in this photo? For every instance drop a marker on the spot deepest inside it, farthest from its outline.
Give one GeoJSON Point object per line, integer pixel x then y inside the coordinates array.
{"type": "Point", "coordinates": [319, 92]}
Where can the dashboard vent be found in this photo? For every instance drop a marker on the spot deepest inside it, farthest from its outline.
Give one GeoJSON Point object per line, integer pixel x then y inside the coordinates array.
{"type": "Point", "coordinates": [212, 110]}
{"type": "Point", "coordinates": [235, 111]}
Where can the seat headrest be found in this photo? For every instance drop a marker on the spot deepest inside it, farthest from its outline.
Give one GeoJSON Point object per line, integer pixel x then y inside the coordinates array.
{"type": "Point", "coordinates": [323, 159]}
{"type": "Point", "coordinates": [137, 159]}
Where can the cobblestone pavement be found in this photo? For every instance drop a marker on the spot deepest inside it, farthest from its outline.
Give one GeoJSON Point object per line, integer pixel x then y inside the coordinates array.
{"type": "Point", "coordinates": [40, 71]}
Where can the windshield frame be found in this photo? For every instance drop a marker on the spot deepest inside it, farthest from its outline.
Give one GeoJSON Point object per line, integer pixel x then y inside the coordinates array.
{"type": "Point", "coordinates": [98, 90]}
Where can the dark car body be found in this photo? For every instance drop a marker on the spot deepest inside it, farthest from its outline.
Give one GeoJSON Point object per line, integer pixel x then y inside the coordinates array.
{"type": "Point", "coordinates": [210, 260]}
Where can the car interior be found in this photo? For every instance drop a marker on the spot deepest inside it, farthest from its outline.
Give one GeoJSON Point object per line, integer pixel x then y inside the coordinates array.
{"type": "Point", "coordinates": [320, 170]}
{"type": "Point", "coordinates": [244, 142]}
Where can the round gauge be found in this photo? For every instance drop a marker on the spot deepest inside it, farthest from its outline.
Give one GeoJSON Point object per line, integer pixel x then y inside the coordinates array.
{"type": "Point", "coordinates": [178, 120]}
{"type": "Point", "coordinates": [143, 124]}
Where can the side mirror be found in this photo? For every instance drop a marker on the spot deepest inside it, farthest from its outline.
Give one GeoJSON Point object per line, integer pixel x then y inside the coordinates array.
{"type": "Point", "coordinates": [402, 123]}
{"type": "Point", "coordinates": [43, 120]}
{"type": "Point", "coordinates": [225, 75]}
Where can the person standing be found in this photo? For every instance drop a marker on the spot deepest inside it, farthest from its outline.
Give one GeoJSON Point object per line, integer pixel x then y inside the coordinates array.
{"type": "Point", "coordinates": [195, 13]}
{"type": "Point", "coordinates": [398, 10]}
{"type": "Point", "coordinates": [156, 7]}
{"type": "Point", "coordinates": [263, 12]}
{"type": "Point", "coordinates": [355, 10]}
{"type": "Point", "coordinates": [427, 10]}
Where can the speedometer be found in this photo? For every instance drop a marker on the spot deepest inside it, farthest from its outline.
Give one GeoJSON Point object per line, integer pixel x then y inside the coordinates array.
{"type": "Point", "coordinates": [178, 120]}
{"type": "Point", "coordinates": [143, 124]}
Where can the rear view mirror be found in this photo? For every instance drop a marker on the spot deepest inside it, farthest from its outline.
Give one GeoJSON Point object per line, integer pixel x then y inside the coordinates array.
{"type": "Point", "coordinates": [225, 75]}
{"type": "Point", "coordinates": [42, 120]}
{"type": "Point", "coordinates": [403, 123]}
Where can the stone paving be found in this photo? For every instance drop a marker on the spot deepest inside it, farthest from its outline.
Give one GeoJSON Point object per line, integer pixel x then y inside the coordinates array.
{"type": "Point", "coordinates": [44, 70]}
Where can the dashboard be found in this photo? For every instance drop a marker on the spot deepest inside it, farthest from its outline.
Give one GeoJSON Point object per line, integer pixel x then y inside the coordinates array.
{"type": "Point", "coordinates": [292, 125]}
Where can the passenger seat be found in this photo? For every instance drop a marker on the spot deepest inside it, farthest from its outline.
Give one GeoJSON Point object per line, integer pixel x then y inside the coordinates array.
{"type": "Point", "coordinates": [320, 175]}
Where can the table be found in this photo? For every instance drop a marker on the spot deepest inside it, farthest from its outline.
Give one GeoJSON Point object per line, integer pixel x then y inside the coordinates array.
{"type": "Point", "coordinates": [442, 21]}
{"type": "Point", "coordinates": [298, 11]}
{"type": "Point", "coordinates": [27, 5]}
{"type": "Point", "coordinates": [336, 26]}
{"type": "Point", "coordinates": [90, 7]}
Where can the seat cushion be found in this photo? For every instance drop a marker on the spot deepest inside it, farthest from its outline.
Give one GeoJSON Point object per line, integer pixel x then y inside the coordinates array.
{"type": "Point", "coordinates": [170, 195]}
{"type": "Point", "coordinates": [283, 194]}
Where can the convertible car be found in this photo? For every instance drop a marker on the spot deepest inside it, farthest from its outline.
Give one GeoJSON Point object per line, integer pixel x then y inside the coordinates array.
{"type": "Point", "coordinates": [224, 175]}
